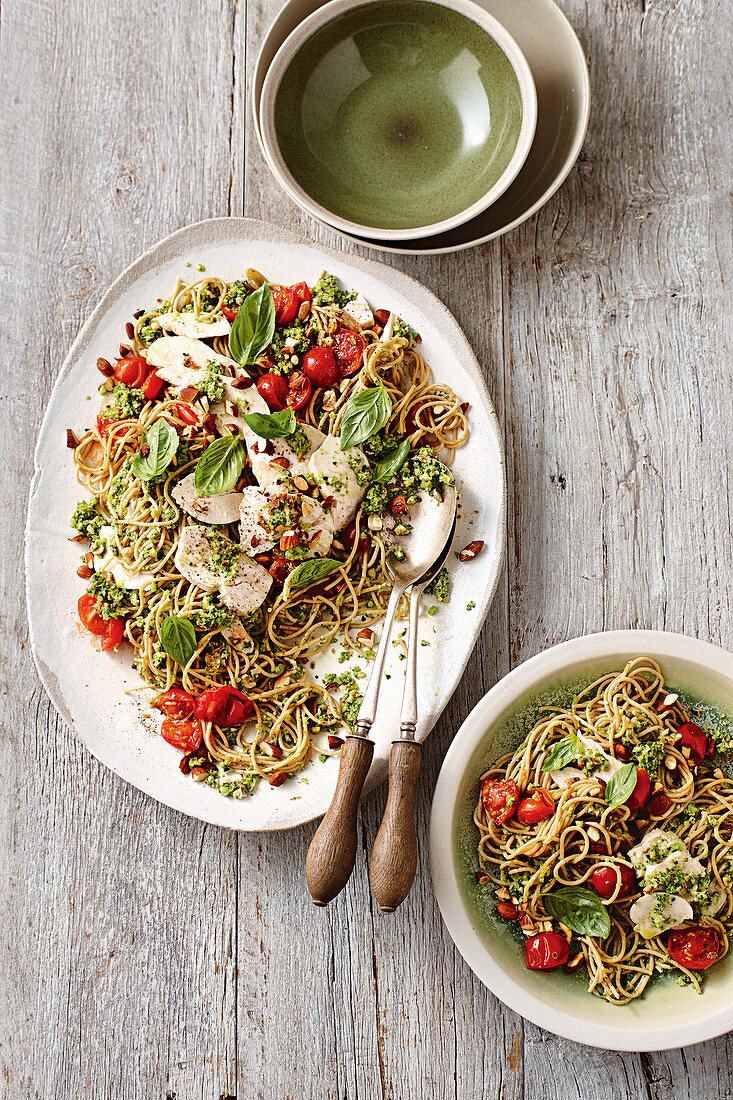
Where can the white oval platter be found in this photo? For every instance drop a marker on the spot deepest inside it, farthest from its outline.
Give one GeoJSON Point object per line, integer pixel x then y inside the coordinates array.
{"type": "Point", "coordinates": [89, 688]}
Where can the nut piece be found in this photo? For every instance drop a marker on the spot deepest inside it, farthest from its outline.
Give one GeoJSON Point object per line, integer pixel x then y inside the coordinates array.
{"type": "Point", "coordinates": [374, 523]}
{"type": "Point", "coordinates": [469, 552]}
{"type": "Point", "coordinates": [105, 367]}
{"type": "Point", "coordinates": [300, 483]}
{"type": "Point", "coordinates": [365, 635]}
{"type": "Point", "coordinates": [572, 964]}
{"type": "Point", "coordinates": [593, 833]}
{"type": "Point", "coordinates": [198, 774]}
{"type": "Point", "coordinates": [305, 308]}
{"type": "Point", "coordinates": [70, 439]}
{"type": "Point", "coordinates": [508, 910]}
{"type": "Point", "coordinates": [670, 762]}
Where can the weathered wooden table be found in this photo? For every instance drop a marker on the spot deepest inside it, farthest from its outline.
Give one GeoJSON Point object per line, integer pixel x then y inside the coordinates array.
{"type": "Point", "coordinates": [147, 956]}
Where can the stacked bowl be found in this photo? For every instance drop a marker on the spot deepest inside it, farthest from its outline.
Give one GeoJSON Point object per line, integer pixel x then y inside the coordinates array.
{"type": "Point", "coordinates": [420, 125]}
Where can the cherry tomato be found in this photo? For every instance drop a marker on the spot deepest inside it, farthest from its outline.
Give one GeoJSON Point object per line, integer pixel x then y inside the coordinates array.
{"type": "Point", "coordinates": [132, 371]}
{"type": "Point", "coordinates": [348, 537]}
{"type": "Point", "coordinates": [111, 631]}
{"type": "Point", "coordinates": [320, 367]}
{"type": "Point", "coordinates": [411, 421]}
{"type": "Point", "coordinates": [604, 880]}
{"type": "Point", "coordinates": [538, 806]}
{"type": "Point", "coordinates": [225, 706]}
{"type": "Point", "coordinates": [274, 389]}
{"type": "Point", "coordinates": [641, 791]}
{"type": "Point", "coordinates": [658, 804]}
{"type": "Point", "coordinates": [153, 386]}
{"type": "Point", "coordinates": [185, 734]}
{"type": "Point", "coordinates": [230, 314]}
{"type": "Point", "coordinates": [303, 291]}
{"type": "Point", "coordinates": [696, 947]}
{"type": "Point", "coordinates": [500, 798]}
{"type": "Point", "coordinates": [185, 413]}
{"type": "Point", "coordinates": [299, 393]}
{"type": "Point", "coordinates": [286, 304]}
{"type": "Point", "coordinates": [348, 347]}
{"type": "Point", "coordinates": [547, 951]}
{"type": "Point", "coordinates": [695, 739]}
{"type": "Point", "coordinates": [175, 703]}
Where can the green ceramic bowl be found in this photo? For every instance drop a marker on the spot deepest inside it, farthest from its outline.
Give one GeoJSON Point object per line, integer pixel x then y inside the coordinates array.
{"type": "Point", "coordinates": [666, 1015]}
{"type": "Point", "coordinates": [395, 118]}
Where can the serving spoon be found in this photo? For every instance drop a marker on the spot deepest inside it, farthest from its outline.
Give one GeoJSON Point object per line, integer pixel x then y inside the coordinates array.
{"type": "Point", "coordinates": [332, 852]}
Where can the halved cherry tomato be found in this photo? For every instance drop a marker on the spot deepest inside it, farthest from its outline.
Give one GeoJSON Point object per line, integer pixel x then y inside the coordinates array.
{"type": "Point", "coordinates": [186, 413]}
{"type": "Point", "coordinates": [103, 426]}
{"type": "Point", "coordinates": [547, 951]}
{"type": "Point", "coordinates": [303, 291]}
{"type": "Point", "coordinates": [348, 347]}
{"type": "Point", "coordinates": [230, 314]}
{"type": "Point", "coordinates": [225, 706]}
{"type": "Point", "coordinates": [152, 386]}
{"type": "Point", "coordinates": [659, 803]}
{"type": "Point", "coordinates": [538, 806]}
{"type": "Point", "coordinates": [348, 537]}
{"type": "Point", "coordinates": [111, 631]}
{"type": "Point", "coordinates": [274, 389]}
{"type": "Point", "coordinates": [132, 371]}
{"type": "Point", "coordinates": [320, 367]}
{"type": "Point", "coordinates": [299, 392]}
{"type": "Point", "coordinates": [695, 739]}
{"type": "Point", "coordinates": [411, 421]}
{"type": "Point", "coordinates": [500, 798]}
{"type": "Point", "coordinates": [286, 304]}
{"type": "Point", "coordinates": [175, 703]}
{"type": "Point", "coordinates": [696, 947]}
{"type": "Point", "coordinates": [185, 734]}
{"type": "Point", "coordinates": [604, 881]}
{"type": "Point", "coordinates": [641, 791]}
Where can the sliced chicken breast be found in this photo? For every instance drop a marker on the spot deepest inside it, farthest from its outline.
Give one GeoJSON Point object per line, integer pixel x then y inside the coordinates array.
{"type": "Point", "coordinates": [253, 537]}
{"type": "Point", "coordinates": [179, 359]}
{"type": "Point", "coordinates": [185, 324]}
{"type": "Point", "coordinates": [339, 486]}
{"type": "Point", "coordinates": [223, 508]}
{"type": "Point", "coordinates": [652, 918]}
{"type": "Point", "coordinates": [214, 563]}
{"type": "Point", "coordinates": [115, 569]}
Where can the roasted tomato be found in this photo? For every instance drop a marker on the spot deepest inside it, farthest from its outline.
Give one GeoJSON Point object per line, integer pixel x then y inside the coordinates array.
{"type": "Point", "coordinates": [695, 739]}
{"type": "Point", "coordinates": [103, 426]}
{"type": "Point", "coordinates": [286, 304]}
{"type": "Point", "coordinates": [186, 413]}
{"type": "Point", "coordinates": [230, 314]}
{"type": "Point", "coordinates": [111, 631]}
{"type": "Point", "coordinates": [604, 881]}
{"type": "Point", "coordinates": [175, 703]}
{"type": "Point", "coordinates": [303, 291]}
{"type": "Point", "coordinates": [225, 706]}
{"type": "Point", "coordinates": [696, 947]}
{"type": "Point", "coordinates": [299, 392]}
{"type": "Point", "coordinates": [132, 371]}
{"type": "Point", "coordinates": [658, 804]}
{"type": "Point", "coordinates": [538, 806]}
{"type": "Point", "coordinates": [320, 367]}
{"type": "Point", "coordinates": [348, 348]}
{"type": "Point", "coordinates": [348, 537]}
{"type": "Point", "coordinates": [153, 386]}
{"type": "Point", "coordinates": [411, 420]}
{"type": "Point", "coordinates": [274, 389]}
{"type": "Point", "coordinates": [547, 951]}
{"type": "Point", "coordinates": [641, 791]}
{"type": "Point", "coordinates": [500, 798]}
{"type": "Point", "coordinates": [183, 734]}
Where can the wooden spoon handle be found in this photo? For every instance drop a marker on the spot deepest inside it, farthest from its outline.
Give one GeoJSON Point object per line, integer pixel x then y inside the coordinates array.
{"type": "Point", "coordinates": [332, 852]}
{"type": "Point", "coordinates": [394, 855]}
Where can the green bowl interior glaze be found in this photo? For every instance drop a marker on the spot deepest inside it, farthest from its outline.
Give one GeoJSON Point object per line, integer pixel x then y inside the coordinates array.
{"type": "Point", "coordinates": [398, 114]}
{"type": "Point", "coordinates": [504, 938]}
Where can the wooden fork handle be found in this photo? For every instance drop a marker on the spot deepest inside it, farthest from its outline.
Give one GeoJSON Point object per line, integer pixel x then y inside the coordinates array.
{"type": "Point", "coordinates": [394, 855]}
{"type": "Point", "coordinates": [332, 852]}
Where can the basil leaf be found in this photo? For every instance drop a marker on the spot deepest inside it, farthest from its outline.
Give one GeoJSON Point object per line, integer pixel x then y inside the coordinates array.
{"type": "Point", "coordinates": [219, 467]}
{"type": "Point", "coordinates": [308, 572]}
{"type": "Point", "coordinates": [564, 752]}
{"type": "Point", "coordinates": [161, 442]}
{"type": "Point", "coordinates": [275, 425]}
{"type": "Point", "coordinates": [178, 639]}
{"type": "Point", "coordinates": [364, 414]}
{"type": "Point", "coordinates": [392, 463]}
{"type": "Point", "coordinates": [253, 326]}
{"type": "Point", "coordinates": [621, 785]}
{"type": "Point", "coordinates": [579, 909]}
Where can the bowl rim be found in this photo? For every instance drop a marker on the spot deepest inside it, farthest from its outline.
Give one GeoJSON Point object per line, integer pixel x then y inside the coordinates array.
{"type": "Point", "coordinates": [556, 659]}
{"type": "Point", "coordinates": [320, 18]}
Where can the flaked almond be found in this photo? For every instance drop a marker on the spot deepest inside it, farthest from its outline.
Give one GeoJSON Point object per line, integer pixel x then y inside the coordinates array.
{"type": "Point", "coordinates": [667, 703]}
{"type": "Point", "coordinates": [621, 752]}
{"type": "Point", "coordinates": [481, 878]}
{"type": "Point", "coordinates": [335, 742]}
{"type": "Point", "coordinates": [300, 483]}
{"type": "Point", "coordinates": [289, 539]}
{"type": "Point", "coordinates": [278, 779]}
{"type": "Point", "coordinates": [78, 538]}
{"type": "Point", "coordinates": [503, 894]}
{"type": "Point", "coordinates": [686, 752]}
{"type": "Point", "coordinates": [374, 523]}
{"type": "Point", "coordinates": [264, 448]}
{"type": "Point", "coordinates": [468, 553]}
{"type": "Point", "coordinates": [189, 393]}
{"type": "Point", "coordinates": [305, 308]}
{"type": "Point", "coordinates": [105, 367]}
{"type": "Point", "coordinates": [272, 749]}
{"type": "Point", "coordinates": [130, 330]}
{"type": "Point", "coordinates": [507, 910]}
{"type": "Point", "coordinates": [282, 462]}
{"type": "Point", "coordinates": [85, 572]}
{"type": "Point", "coordinates": [670, 762]}
{"type": "Point", "coordinates": [329, 399]}
{"type": "Point", "coordinates": [593, 833]}
{"type": "Point", "coordinates": [71, 441]}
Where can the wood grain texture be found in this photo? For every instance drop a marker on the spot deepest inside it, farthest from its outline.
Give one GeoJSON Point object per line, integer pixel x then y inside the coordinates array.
{"type": "Point", "coordinates": [148, 956]}
{"type": "Point", "coordinates": [393, 859]}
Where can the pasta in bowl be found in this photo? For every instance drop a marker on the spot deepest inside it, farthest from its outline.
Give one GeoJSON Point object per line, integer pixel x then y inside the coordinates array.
{"type": "Point", "coordinates": [586, 873]}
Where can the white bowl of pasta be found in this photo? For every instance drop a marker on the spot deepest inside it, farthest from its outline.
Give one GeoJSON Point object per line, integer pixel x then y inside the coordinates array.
{"type": "Point", "coordinates": [581, 840]}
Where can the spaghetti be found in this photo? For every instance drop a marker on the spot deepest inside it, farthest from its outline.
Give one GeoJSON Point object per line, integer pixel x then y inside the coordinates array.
{"type": "Point", "coordinates": [608, 827]}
